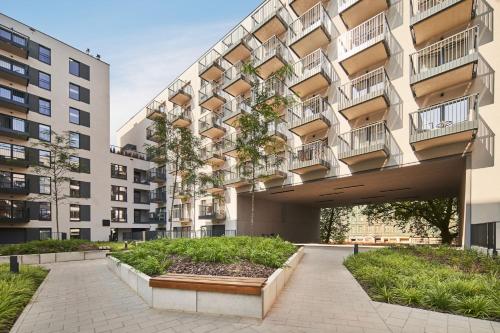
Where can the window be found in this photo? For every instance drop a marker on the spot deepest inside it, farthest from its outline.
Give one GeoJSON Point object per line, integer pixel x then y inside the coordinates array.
{"type": "Point", "coordinates": [75, 163]}
{"type": "Point", "coordinates": [19, 125]}
{"type": "Point", "coordinates": [119, 214]}
{"type": "Point", "coordinates": [74, 67]}
{"type": "Point", "coordinates": [140, 176]}
{"type": "Point", "coordinates": [44, 185]}
{"type": "Point", "coordinates": [74, 116]}
{"type": "Point", "coordinates": [74, 140]}
{"type": "Point", "coordinates": [44, 107]}
{"type": "Point", "coordinates": [118, 171]}
{"type": "Point", "coordinates": [118, 193]}
{"type": "Point", "coordinates": [74, 91]}
{"type": "Point", "coordinates": [44, 212]}
{"type": "Point", "coordinates": [44, 132]}
{"type": "Point", "coordinates": [44, 54]}
{"type": "Point", "coordinates": [74, 233]}
{"type": "Point", "coordinates": [44, 158]}
{"type": "Point", "coordinates": [74, 188]}
{"type": "Point", "coordinates": [44, 80]}
{"type": "Point", "coordinates": [74, 213]}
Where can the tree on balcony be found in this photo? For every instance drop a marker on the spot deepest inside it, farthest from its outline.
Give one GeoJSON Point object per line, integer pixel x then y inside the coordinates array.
{"type": "Point", "coordinates": [254, 137]}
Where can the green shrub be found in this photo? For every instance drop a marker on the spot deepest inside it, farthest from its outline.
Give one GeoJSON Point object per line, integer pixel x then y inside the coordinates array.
{"type": "Point", "coordinates": [48, 246]}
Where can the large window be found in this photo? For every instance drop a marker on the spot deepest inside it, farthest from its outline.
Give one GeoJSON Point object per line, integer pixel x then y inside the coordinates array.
{"type": "Point", "coordinates": [44, 132]}
{"type": "Point", "coordinates": [44, 80]}
{"type": "Point", "coordinates": [74, 116]}
{"type": "Point", "coordinates": [74, 188]}
{"type": "Point", "coordinates": [45, 213]}
{"type": "Point", "coordinates": [74, 67]}
{"type": "Point", "coordinates": [74, 213]}
{"type": "Point", "coordinates": [44, 54]}
{"type": "Point", "coordinates": [119, 214]}
{"type": "Point", "coordinates": [118, 171]}
{"type": "Point", "coordinates": [44, 107]}
{"type": "Point", "coordinates": [74, 140]}
{"type": "Point", "coordinates": [44, 185]}
{"type": "Point", "coordinates": [118, 193]}
{"type": "Point", "coordinates": [44, 158]}
{"type": "Point", "coordinates": [74, 91]}
{"type": "Point", "coordinates": [12, 152]}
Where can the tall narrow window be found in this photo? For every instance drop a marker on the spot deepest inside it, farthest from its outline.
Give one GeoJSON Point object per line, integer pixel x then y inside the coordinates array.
{"type": "Point", "coordinates": [44, 80]}
{"type": "Point", "coordinates": [74, 91]}
{"type": "Point", "coordinates": [44, 107]}
{"type": "Point", "coordinates": [74, 188]}
{"type": "Point", "coordinates": [74, 116]}
{"type": "Point", "coordinates": [45, 213]}
{"type": "Point", "coordinates": [44, 132]}
{"type": "Point", "coordinates": [74, 140]}
{"type": "Point", "coordinates": [44, 158]}
{"type": "Point", "coordinates": [74, 213]}
{"type": "Point", "coordinates": [44, 185]}
{"type": "Point", "coordinates": [44, 54]}
{"type": "Point", "coordinates": [74, 67]}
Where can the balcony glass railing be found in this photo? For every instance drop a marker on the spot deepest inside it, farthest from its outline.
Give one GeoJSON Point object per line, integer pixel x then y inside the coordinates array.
{"type": "Point", "coordinates": [155, 107]}
{"type": "Point", "coordinates": [157, 174]}
{"type": "Point", "coordinates": [13, 66]}
{"type": "Point", "coordinates": [13, 124]}
{"type": "Point", "coordinates": [271, 165]}
{"type": "Point", "coordinates": [182, 212]}
{"type": "Point", "coordinates": [13, 210]}
{"type": "Point", "coordinates": [210, 120]}
{"type": "Point", "coordinates": [179, 86]}
{"type": "Point", "coordinates": [268, 89]}
{"type": "Point", "coordinates": [315, 17]}
{"type": "Point", "coordinates": [312, 64]}
{"type": "Point", "coordinates": [13, 153]}
{"type": "Point", "coordinates": [269, 9]}
{"type": "Point", "coordinates": [179, 113]}
{"type": "Point", "coordinates": [233, 73]}
{"type": "Point", "coordinates": [12, 95]}
{"type": "Point", "coordinates": [211, 58]}
{"type": "Point", "coordinates": [12, 37]}
{"type": "Point", "coordinates": [13, 182]}
{"type": "Point", "coordinates": [309, 110]}
{"type": "Point", "coordinates": [240, 34]}
{"type": "Point", "coordinates": [235, 106]}
{"type": "Point", "coordinates": [229, 142]}
{"type": "Point", "coordinates": [211, 89]}
{"type": "Point", "coordinates": [234, 175]}
{"type": "Point", "coordinates": [310, 154]}
{"type": "Point", "coordinates": [364, 140]}
{"type": "Point", "coordinates": [158, 196]}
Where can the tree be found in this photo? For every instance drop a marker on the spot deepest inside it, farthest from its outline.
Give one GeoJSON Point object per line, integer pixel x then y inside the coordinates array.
{"type": "Point", "coordinates": [61, 164]}
{"type": "Point", "coordinates": [334, 224]}
{"type": "Point", "coordinates": [254, 136]}
{"type": "Point", "coordinates": [421, 218]}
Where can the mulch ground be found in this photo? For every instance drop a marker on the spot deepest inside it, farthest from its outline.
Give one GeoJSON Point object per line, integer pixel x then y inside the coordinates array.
{"type": "Point", "coordinates": [241, 269]}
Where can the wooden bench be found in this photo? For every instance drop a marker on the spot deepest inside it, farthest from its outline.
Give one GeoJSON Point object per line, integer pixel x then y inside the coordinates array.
{"type": "Point", "coordinates": [221, 284]}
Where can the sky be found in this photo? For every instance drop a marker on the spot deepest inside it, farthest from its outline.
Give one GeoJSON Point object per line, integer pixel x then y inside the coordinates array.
{"type": "Point", "coordinates": [147, 43]}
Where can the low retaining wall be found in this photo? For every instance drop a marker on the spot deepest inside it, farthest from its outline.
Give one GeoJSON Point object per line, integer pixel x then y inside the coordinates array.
{"type": "Point", "coordinates": [255, 306]}
{"type": "Point", "coordinates": [48, 258]}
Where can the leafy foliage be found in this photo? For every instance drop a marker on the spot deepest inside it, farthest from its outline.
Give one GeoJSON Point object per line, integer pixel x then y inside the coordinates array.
{"type": "Point", "coordinates": [334, 224]}
{"type": "Point", "coordinates": [54, 245]}
{"type": "Point", "coordinates": [443, 279]}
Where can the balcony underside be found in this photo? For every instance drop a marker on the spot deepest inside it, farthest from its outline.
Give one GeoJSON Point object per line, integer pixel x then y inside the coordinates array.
{"type": "Point", "coordinates": [270, 66]}
{"type": "Point", "coordinates": [238, 52]}
{"type": "Point", "coordinates": [313, 84]}
{"type": "Point", "coordinates": [365, 105]}
{"type": "Point", "coordinates": [273, 26]}
{"type": "Point", "coordinates": [180, 98]}
{"type": "Point", "coordinates": [238, 86]}
{"type": "Point", "coordinates": [306, 167]}
{"type": "Point", "coordinates": [312, 126]}
{"type": "Point", "coordinates": [463, 132]}
{"type": "Point", "coordinates": [237, 183]}
{"type": "Point", "coordinates": [442, 18]}
{"type": "Point", "coordinates": [213, 132]}
{"type": "Point", "coordinates": [445, 76]}
{"type": "Point", "coordinates": [14, 106]}
{"type": "Point", "coordinates": [181, 122]}
{"type": "Point", "coordinates": [370, 56]}
{"type": "Point", "coordinates": [311, 41]}
{"type": "Point", "coordinates": [232, 119]}
{"type": "Point", "coordinates": [272, 176]}
{"type": "Point", "coordinates": [214, 190]}
{"type": "Point", "coordinates": [17, 50]}
{"type": "Point", "coordinates": [156, 115]}
{"type": "Point", "coordinates": [213, 103]}
{"type": "Point", "coordinates": [212, 73]}
{"type": "Point", "coordinates": [299, 7]}
{"type": "Point", "coordinates": [14, 162]}
{"type": "Point", "coordinates": [216, 160]}
{"type": "Point", "coordinates": [232, 152]}
{"type": "Point", "coordinates": [14, 77]}
{"type": "Point", "coordinates": [361, 11]}
{"type": "Point", "coordinates": [375, 152]}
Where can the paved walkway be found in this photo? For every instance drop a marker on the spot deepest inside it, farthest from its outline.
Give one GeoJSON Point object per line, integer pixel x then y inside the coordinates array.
{"type": "Point", "coordinates": [320, 297]}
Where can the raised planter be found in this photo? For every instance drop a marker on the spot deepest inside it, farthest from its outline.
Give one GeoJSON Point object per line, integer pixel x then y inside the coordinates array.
{"type": "Point", "coordinates": [48, 258]}
{"type": "Point", "coordinates": [218, 295]}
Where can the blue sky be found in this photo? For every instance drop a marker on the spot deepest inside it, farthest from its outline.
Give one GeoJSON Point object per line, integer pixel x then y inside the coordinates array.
{"type": "Point", "coordinates": [147, 43]}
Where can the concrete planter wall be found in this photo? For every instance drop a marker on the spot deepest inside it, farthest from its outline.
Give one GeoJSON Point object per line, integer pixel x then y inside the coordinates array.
{"type": "Point", "coordinates": [207, 302]}
{"type": "Point", "coordinates": [48, 258]}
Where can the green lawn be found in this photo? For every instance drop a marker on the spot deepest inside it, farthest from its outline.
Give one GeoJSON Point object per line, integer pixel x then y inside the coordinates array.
{"type": "Point", "coordinates": [16, 291]}
{"type": "Point", "coordinates": [441, 279]}
{"type": "Point", "coordinates": [153, 258]}
{"type": "Point", "coordinates": [51, 246]}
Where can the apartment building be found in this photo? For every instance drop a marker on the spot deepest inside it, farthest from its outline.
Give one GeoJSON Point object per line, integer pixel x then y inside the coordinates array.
{"type": "Point", "coordinates": [394, 100]}
{"type": "Point", "coordinates": [47, 86]}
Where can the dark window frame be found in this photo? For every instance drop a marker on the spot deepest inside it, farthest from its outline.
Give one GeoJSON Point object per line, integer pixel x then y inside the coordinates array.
{"type": "Point", "coordinates": [40, 108]}
{"type": "Point", "coordinates": [41, 55]}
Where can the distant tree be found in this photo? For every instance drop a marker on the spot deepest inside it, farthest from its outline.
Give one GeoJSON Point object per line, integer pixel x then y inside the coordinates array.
{"type": "Point", "coordinates": [420, 218]}
{"type": "Point", "coordinates": [334, 224]}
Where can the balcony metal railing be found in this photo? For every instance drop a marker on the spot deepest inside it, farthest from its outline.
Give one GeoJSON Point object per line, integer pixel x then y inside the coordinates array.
{"type": "Point", "coordinates": [211, 89]}
{"type": "Point", "coordinates": [14, 96]}
{"type": "Point", "coordinates": [312, 64]}
{"type": "Point", "coordinates": [179, 86]}
{"type": "Point", "coordinates": [310, 154]}
{"type": "Point", "coordinates": [155, 107]}
{"type": "Point", "coordinates": [157, 174]}
{"type": "Point", "coordinates": [457, 115]}
{"type": "Point", "coordinates": [344, 4]}
{"type": "Point", "coordinates": [152, 133]}
{"type": "Point", "coordinates": [211, 58]}
{"type": "Point", "coordinates": [213, 211]}
{"type": "Point", "coordinates": [364, 88]}
{"type": "Point", "coordinates": [273, 47]}
{"type": "Point", "coordinates": [278, 128]}
{"type": "Point", "coordinates": [211, 150]}
{"type": "Point", "coordinates": [268, 89]}
{"type": "Point", "coordinates": [13, 183]}
{"type": "Point", "coordinates": [309, 110]}
{"type": "Point", "coordinates": [179, 113]}
{"type": "Point", "coordinates": [14, 66]}
{"type": "Point", "coordinates": [229, 142]}
{"type": "Point", "coordinates": [271, 165]}
{"type": "Point", "coordinates": [235, 106]}
{"type": "Point", "coordinates": [315, 17]}
{"type": "Point", "coordinates": [441, 56]}
{"type": "Point", "coordinates": [13, 38]}
{"type": "Point", "coordinates": [269, 9]}
{"type": "Point", "coordinates": [421, 6]}
{"type": "Point", "coordinates": [364, 140]}
{"type": "Point", "coordinates": [13, 124]}
{"type": "Point", "coordinates": [209, 121]}
{"type": "Point", "coordinates": [240, 34]}
{"type": "Point", "coordinates": [233, 73]}
{"type": "Point", "coordinates": [128, 152]}
{"type": "Point", "coordinates": [234, 175]}
{"type": "Point", "coordinates": [363, 36]}
{"type": "Point", "coordinates": [158, 195]}
{"type": "Point", "coordinates": [182, 212]}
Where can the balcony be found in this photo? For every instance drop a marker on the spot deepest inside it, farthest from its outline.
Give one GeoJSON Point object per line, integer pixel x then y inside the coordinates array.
{"type": "Point", "coordinates": [210, 126]}
{"type": "Point", "coordinates": [158, 196]}
{"type": "Point", "coordinates": [211, 212]}
{"type": "Point", "coordinates": [157, 218]}
{"type": "Point", "coordinates": [238, 45]}
{"type": "Point", "coordinates": [311, 31]}
{"type": "Point", "coordinates": [155, 111]}
{"type": "Point", "coordinates": [312, 74]}
{"type": "Point", "coordinates": [141, 197]}
{"type": "Point", "coordinates": [355, 12]}
{"type": "Point", "coordinates": [14, 71]}
{"type": "Point", "coordinates": [211, 66]}
{"type": "Point", "coordinates": [13, 211]}
{"type": "Point", "coordinates": [234, 109]}
{"type": "Point", "coordinates": [271, 91]}
{"type": "Point", "coordinates": [235, 178]}
{"type": "Point", "coordinates": [157, 175]}
{"type": "Point", "coordinates": [432, 18]}
{"type": "Point", "coordinates": [215, 184]}
{"type": "Point", "coordinates": [270, 57]}
{"type": "Point", "coordinates": [444, 64]}
{"type": "Point", "coordinates": [179, 117]}
{"type": "Point", "coordinates": [365, 45]}
{"type": "Point", "coordinates": [229, 143]}
{"type": "Point", "coordinates": [311, 116]}
{"type": "Point", "coordinates": [181, 213]}
{"type": "Point", "coordinates": [270, 19]}
{"type": "Point", "coordinates": [454, 121]}
{"type": "Point", "coordinates": [152, 133]}
{"type": "Point", "coordinates": [299, 7]}
{"type": "Point", "coordinates": [364, 95]}
{"type": "Point", "coordinates": [273, 168]}
{"type": "Point", "coordinates": [315, 156]}
{"type": "Point", "coordinates": [13, 99]}
{"type": "Point", "coordinates": [365, 143]}
{"type": "Point", "coordinates": [11, 183]}
{"type": "Point", "coordinates": [142, 216]}
{"type": "Point", "coordinates": [13, 42]}
{"type": "Point", "coordinates": [235, 81]}
{"type": "Point", "coordinates": [157, 155]}
{"type": "Point", "coordinates": [211, 96]}
{"type": "Point", "coordinates": [278, 133]}
{"type": "Point", "coordinates": [180, 92]}
{"type": "Point", "coordinates": [212, 154]}
{"type": "Point", "coordinates": [13, 127]}
{"type": "Point", "coordinates": [14, 155]}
